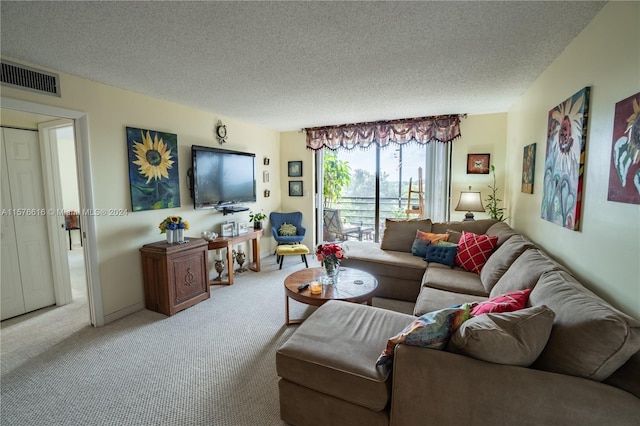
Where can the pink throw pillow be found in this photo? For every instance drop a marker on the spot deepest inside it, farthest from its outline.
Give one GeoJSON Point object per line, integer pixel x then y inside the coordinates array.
{"type": "Point", "coordinates": [508, 302]}
{"type": "Point", "coordinates": [474, 250]}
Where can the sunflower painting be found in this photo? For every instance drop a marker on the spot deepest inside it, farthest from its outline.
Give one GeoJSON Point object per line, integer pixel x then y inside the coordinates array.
{"type": "Point", "coordinates": [624, 168]}
{"type": "Point", "coordinates": [564, 161]}
{"type": "Point", "coordinates": [153, 169]}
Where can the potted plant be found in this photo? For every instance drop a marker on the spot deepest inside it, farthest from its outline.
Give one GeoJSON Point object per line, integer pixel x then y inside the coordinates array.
{"type": "Point", "coordinates": [492, 200]}
{"type": "Point", "coordinates": [257, 219]}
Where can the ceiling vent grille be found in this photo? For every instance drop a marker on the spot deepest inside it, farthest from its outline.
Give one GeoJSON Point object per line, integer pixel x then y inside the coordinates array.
{"type": "Point", "coordinates": [23, 77]}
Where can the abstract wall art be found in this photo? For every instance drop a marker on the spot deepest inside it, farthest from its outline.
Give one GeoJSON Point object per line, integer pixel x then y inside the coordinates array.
{"type": "Point", "coordinates": [528, 168]}
{"type": "Point", "coordinates": [624, 166]}
{"type": "Point", "coordinates": [153, 169]}
{"type": "Point", "coordinates": [564, 161]}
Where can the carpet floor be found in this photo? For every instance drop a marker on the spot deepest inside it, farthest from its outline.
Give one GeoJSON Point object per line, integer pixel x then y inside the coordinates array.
{"type": "Point", "coordinates": [211, 364]}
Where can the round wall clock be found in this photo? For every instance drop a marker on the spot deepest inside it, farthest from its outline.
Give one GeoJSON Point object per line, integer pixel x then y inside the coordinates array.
{"type": "Point", "coordinates": [221, 132]}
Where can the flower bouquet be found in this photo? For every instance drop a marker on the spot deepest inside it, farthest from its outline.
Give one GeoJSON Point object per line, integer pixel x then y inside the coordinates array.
{"type": "Point", "coordinates": [330, 255]}
{"type": "Point", "coordinates": [174, 227]}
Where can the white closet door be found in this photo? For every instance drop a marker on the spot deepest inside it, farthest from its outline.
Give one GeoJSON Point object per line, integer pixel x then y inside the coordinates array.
{"type": "Point", "coordinates": [11, 291]}
{"type": "Point", "coordinates": [24, 170]}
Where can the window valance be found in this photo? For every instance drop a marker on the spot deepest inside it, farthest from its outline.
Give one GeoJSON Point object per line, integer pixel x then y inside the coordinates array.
{"type": "Point", "coordinates": [422, 130]}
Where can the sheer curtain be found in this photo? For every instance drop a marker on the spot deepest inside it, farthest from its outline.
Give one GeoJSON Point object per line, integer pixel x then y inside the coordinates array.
{"type": "Point", "coordinates": [437, 181]}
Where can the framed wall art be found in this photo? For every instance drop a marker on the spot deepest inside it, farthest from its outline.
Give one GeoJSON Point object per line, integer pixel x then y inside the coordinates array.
{"type": "Point", "coordinates": [295, 168]}
{"type": "Point", "coordinates": [295, 188]}
{"type": "Point", "coordinates": [564, 161]}
{"type": "Point", "coordinates": [624, 166]}
{"type": "Point", "coordinates": [153, 169]}
{"type": "Point", "coordinates": [478, 164]}
{"type": "Point", "coordinates": [528, 168]}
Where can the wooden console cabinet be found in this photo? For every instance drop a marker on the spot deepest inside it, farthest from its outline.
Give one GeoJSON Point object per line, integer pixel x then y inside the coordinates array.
{"type": "Point", "coordinates": [176, 276]}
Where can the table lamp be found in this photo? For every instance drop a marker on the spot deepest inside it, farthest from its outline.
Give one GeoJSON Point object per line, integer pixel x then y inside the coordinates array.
{"type": "Point", "coordinates": [470, 201]}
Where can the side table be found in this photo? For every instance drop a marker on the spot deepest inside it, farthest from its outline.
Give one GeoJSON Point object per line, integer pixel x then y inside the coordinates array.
{"type": "Point", "coordinates": [176, 276]}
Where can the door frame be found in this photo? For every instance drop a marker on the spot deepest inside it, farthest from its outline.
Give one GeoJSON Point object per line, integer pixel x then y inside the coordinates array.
{"type": "Point", "coordinates": [53, 203]}
{"type": "Point", "coordinates": [85, 186]}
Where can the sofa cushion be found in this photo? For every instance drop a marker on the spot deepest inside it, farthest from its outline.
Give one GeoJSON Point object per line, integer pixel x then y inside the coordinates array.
{"type": "Point", "coordinates": [524, 272]}
{"type": "Point", "coordinates": [441, 254]}
{"type": "Point", "coordinates": [501, 259]}
{"type": "Point", "coordinates": [431, 330]}
{"type": "Point", "coordinates": [399, 234]}
{"type": "Point", "coordinates": [501, 230]}
{"type": "Point", "coordinates": [512, 338]}
{"type": "Point", "coordinates": [454, 236]}
{"type": "Point", "coordinates": [507, 302]}
{"type": "Point", "coordinates": [474, 250]}
{"type": "Point", "coordinates": [433, 299]}
{"type": "Point", "coordinates": [590, 338]}
{"type": "Point", "coordinates": [334, 351]}
{"type": "Point", "coordinates": [475, 226]}
{"type": "Point", "coordinates": [456, 280]}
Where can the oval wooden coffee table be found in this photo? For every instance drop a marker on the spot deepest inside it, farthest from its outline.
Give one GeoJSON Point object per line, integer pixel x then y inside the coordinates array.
{"type": "Point", "coordinates": [352, 285]}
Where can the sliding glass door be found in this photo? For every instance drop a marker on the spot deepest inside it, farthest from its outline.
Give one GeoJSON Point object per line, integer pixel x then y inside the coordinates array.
{"type": "Point", "coordinates": [361, 188]}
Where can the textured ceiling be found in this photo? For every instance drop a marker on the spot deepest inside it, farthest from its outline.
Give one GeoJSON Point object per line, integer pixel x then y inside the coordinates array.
{"type": "Point", "coordinates": [288, 65]}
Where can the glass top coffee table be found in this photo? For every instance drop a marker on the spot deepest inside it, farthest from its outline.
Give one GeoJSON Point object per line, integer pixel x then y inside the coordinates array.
{"type": "Point", "coordinates": [352, 285]}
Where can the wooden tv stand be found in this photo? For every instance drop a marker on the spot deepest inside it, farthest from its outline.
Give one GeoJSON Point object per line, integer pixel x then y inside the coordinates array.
{"type": "Point", "coordinates": [228, 242]}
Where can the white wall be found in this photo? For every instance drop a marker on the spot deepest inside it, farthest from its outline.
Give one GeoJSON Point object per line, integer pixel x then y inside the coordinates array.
{"type": "Point", "coordinates": [604, 253]}
{"type": "Point", "coordinates": [119, 238]}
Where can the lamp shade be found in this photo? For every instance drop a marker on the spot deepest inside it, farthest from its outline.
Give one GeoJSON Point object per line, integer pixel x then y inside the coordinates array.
{"type": "Point", "coordinates": [470, 201]}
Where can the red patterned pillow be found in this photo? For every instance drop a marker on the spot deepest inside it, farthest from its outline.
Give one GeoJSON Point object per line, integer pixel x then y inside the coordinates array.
{"type": "Point", "coordinates": [508, 302]}
{"type": "Point", "coordinates": [474, 250]}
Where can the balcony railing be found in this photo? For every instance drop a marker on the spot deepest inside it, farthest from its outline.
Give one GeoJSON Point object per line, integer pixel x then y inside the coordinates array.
{"type": "Point", "coordinates": [361, 210]}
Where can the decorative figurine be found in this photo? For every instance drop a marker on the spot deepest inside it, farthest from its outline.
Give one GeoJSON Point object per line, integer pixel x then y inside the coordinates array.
{"type": "Point", "coordinates": [240, 258]}
{"type": "Point", "coordinates": [219, 268]}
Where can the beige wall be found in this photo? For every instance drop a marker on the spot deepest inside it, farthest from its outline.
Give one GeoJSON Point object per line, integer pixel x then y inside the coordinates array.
{"type": "Point", "coordinates": [481, 134]}
{"type": "Point", "coordinates": [604, 253]}
{"type": "Point", "coordinates": [119, 238]}
{"type": "Point", "coordinates": [293, 148]}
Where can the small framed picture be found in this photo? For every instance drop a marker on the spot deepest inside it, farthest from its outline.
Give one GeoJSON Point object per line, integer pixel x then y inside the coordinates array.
{"type": "Point", "coordinates": [478, 164]}
{"type": "Point", "coordinates": [243, 228]}
{"type": "Point", "coordinates": [227, 229]}
{"type": "Point", "coordinates": [295, 188]}
{"type": "Point", "coordinates": [265, 176]}
{"type": "Point", "coordinates": [295, 168]}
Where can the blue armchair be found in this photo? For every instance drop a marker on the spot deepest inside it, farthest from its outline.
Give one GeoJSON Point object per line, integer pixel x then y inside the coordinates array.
{"type": "Point", "coordinates": [277, 219]}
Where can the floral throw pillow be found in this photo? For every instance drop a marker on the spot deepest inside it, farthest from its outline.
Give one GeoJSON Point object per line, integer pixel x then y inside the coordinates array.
{"type": "Point", "coordinates": [508, 302]}
{"type": "Point", "coordinates": [431, 330]}
{"type": "Point", "coordinates": [287, 229]}
{"type": "Point", "coordinates": [474, 250]}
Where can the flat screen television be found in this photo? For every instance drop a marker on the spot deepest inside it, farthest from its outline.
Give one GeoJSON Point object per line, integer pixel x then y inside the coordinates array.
{"type": "Point", "coordinates": [222, 178]}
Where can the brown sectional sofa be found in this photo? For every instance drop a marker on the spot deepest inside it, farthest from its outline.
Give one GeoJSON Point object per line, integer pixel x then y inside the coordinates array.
{"type": "Point", "coordinates": [588, 373]}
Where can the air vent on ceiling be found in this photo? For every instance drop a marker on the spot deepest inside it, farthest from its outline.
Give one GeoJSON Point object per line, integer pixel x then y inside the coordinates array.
{"type": "Point", "coordinates": [23, 77]}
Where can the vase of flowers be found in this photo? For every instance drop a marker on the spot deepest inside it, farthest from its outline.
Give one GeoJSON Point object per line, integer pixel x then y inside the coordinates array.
{"type": "Point", "coordinates": [174, 227]}
{"type": "Point", "coordinates": [330, 255]}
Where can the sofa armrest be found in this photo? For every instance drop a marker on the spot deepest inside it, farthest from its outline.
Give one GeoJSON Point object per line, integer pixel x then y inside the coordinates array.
{"type": "Point", "coordinates": [438, 387]}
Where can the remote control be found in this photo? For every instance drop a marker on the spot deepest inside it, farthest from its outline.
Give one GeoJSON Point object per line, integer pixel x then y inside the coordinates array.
{"type": "Point", "coordinates": [303, 287]}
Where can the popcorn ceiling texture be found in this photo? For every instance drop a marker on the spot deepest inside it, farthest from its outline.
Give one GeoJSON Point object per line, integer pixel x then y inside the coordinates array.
{"type": "Point", "coordinates": [288, 65]}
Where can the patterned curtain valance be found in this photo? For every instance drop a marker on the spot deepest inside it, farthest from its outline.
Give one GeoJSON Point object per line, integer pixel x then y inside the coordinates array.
{"type": "Point", "coordinates": [422, 130]}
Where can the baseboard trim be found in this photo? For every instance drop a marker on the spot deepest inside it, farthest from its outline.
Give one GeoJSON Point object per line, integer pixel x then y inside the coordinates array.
{"type": "Point", "coordinates": [123, 312]}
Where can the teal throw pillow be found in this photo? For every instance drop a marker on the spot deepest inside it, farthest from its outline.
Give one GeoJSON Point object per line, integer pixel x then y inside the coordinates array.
{"type": "Point", "coordinates": [445, 255]}
{"type": "Point", "coordinates": [431, 330]}
{"type": "Point", "coordinates": [419, 247]}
